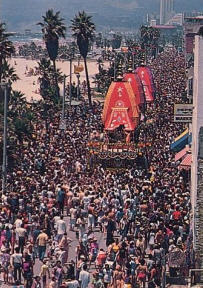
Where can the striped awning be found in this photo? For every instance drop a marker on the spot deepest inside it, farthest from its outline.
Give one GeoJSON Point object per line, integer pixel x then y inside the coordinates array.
{"type": "Point", "coordinates": [186, 163]}
{"type": "Point", "coordinates": [181, 154]}
{"type": "Point", "coordinates": [180, 141]}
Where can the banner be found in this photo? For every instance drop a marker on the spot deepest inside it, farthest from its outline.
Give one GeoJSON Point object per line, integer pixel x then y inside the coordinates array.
{"type": "Point", "coordinates": [78, 68]}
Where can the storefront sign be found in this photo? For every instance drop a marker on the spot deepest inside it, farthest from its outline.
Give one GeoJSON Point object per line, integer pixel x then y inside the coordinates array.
{"type": "Point", "coordinates": [183, 113]}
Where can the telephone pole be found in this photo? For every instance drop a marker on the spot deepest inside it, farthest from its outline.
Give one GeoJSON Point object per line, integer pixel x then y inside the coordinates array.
{"type": "Point", "coordinates": [5, 86]}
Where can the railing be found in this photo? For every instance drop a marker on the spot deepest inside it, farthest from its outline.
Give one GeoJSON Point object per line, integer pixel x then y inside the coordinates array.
{"type": "Point", "coordinates": [190, 276]}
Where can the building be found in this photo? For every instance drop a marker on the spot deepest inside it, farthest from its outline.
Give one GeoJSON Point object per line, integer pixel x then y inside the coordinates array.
{"type": "Point", "coordinates": [191, 27]}
{"type": "Point", "coordinates": [166, 10]}
{"type": "Point", "coordinates": [197, 149]}
{"type": "Point", "coordinates": [177, 19]}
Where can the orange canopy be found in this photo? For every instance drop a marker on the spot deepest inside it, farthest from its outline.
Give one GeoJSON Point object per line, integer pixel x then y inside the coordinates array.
{"type": "Point", "coordinates": [120, 107]}
{"type": "Point", "coordinates": [145, 76]}
{"type": "Point", "coordinates": [137, 87]}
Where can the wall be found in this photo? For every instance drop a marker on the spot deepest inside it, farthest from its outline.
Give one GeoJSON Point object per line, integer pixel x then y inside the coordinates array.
{"type": "Point", "coordinates": [197, 115]}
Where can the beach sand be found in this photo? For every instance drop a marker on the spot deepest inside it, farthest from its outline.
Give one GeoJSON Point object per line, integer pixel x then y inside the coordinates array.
{"type": "Point", "coordinates": [28, 84]}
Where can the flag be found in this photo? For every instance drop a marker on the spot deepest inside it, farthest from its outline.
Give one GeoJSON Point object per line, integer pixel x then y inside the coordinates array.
{"type": "Point", "coordinates": [78, 68]}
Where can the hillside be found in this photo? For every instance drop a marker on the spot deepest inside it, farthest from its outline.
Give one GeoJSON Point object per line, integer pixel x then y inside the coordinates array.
{"type": "Point", "coordinates": [21, 14]}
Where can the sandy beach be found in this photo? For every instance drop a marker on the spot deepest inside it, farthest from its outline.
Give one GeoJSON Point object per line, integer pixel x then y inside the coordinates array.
{"type": "Point", "coordinates": [28, 84]}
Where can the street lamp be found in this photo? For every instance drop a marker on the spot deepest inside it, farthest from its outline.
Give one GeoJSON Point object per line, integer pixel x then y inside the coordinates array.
{"type": "Point", "coordinates": [5, 86]}
{"type": "Point", "coordinates": [70, 86]}
{"type": "Point", "coordinates": [114, 76]}
{"type": "Point", "coordinates": [63, 124]}
{"type": "Point", "coordinates": [78, 85]}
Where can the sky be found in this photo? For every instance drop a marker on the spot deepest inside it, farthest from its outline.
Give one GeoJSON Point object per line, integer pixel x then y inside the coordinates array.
{"type": "Point", "coordinates": [24, 14]}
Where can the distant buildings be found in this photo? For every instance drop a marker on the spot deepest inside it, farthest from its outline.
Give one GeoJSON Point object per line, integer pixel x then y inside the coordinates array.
{"type": "Point", "coordinates": [166, 10]}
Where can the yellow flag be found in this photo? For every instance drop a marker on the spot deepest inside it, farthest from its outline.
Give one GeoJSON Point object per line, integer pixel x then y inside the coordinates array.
{"type": "Point", "coordinates": [78, 68]}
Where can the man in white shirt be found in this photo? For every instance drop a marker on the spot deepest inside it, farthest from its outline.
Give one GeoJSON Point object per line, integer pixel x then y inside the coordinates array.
{"type": "Point", "coordinates": [18, 222]}
{"type": "Point", "coordinates": [22, 233]}
{"type": "Point", "coordinates": [16, 263]}
{"type": "Point", "coordinates": [73, 212]}
{"type": "Point", "coordinates": [61, 228]}
{"type": "Point", "coordinates": [84, 277]}
{"type": "Point", "coordinates": [73, 283]}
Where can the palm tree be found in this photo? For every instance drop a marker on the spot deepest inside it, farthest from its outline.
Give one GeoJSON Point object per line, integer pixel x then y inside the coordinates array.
{"type": "Point", "coordinates": [53, 28]}
{"type": "Point", "coordinates": [6, 47]}
{"type": "Point", "coordinates": [46, 78]}
{"type": "Point", "coordinates": [83, 30]}
{"type": "Point", "coordinates": [17, 98]}
{"type": "Point", "coordinates": [6, 50]}
{"type": "Point", "coordinates": [8, 73]}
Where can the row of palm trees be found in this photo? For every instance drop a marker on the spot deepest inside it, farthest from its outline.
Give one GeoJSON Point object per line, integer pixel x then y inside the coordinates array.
{"type": "Point", "coordinates": [53, 29]}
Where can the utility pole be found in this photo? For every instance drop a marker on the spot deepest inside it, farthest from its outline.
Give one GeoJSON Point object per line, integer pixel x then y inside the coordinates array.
{"type": "Point", "coordinates": [70, 86]}
{"type": "Point", "coordinates": [4, 165]}
{"type": "Point", "coordinates": [78, 86]}
{"type": "Point", "coordinates": [64, 95]}
{"type": "Point", "coordinates": [114, 76]}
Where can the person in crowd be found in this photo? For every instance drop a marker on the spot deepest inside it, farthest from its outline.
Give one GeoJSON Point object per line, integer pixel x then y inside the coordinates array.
{"type": "Point", "coordinates": [42, 242]}
{"type": "Point", "coordinates": [142, 213]}
{"type": "Point", "coordinates": [16, 262]}
{"type": "Point", "coordinates": [84, 277]}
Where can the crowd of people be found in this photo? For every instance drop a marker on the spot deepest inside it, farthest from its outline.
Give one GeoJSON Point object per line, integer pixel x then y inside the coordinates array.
{"type": "Point", "coordinates": [53, 192]}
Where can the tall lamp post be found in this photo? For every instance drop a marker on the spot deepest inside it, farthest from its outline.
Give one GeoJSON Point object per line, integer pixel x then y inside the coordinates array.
{"type": "Point", "coordinates": [70, 86]}
{"type": "Point", "coordinates": [64, 95]}
{"type": "Point", "coordinates": [114, 76]}
{"type": "Point", "coordinates": [63, 123]}
{"type": "Point", "coordinates": [5, 86]}
{"type": "Point", "coordinates": [78, 85]}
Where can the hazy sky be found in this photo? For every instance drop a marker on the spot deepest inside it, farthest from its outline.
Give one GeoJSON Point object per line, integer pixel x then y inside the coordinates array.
{"type": "Point", "coordinates": [22, 14]}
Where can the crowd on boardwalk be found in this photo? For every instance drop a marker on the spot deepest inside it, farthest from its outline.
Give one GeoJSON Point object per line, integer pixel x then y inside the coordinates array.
{"type": "Point", "coordinates": [143, 213]}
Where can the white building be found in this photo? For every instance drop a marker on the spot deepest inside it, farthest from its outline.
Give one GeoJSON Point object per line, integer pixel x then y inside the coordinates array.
{"type": "Point", "coordinates": [197, 147]}
{"type": "Point", "coordinates": [166, 10]}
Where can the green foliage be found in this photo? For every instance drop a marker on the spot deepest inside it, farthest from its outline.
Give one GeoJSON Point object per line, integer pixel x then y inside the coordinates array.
{"type": "Point", "coordinates": [53, 28]}
{"type": "Point", "coordinates": [149, 35]}
{"type": "Point", "coordinates": [47, 75]}
{"type": "Point", "coordinates": [22, 127]}
{"type": "Point", "coordinates": [116, 41]}
{"type": "Point", "coordinates": [6, 47]}
{"type": "Point", "coordinates": [83, 30]}
{"type": "Point", "coordinates": [8, 73]}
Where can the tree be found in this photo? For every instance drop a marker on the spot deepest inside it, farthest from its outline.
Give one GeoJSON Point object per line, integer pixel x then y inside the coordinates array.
{"type": "Point", "coordinates": [6, 47]}
{"type": "Point", "coordinates": [83, 30]}
{"type": "Point", "coordinates": [149, 38]}
{"type": "Point", "coordinates": [53, 28]}
{"type": "Point", "coordinates": [8, 73]}
{"type": "Point", "coordinates": [116, 41]}
{"type": "Point", "coordinates": [47, 75]}
{"type": "Point", "coordinates": [6, 50]}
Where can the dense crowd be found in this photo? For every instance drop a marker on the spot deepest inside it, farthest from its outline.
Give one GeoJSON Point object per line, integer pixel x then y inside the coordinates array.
{"type": "Point", "coordinates": [144, 214]}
